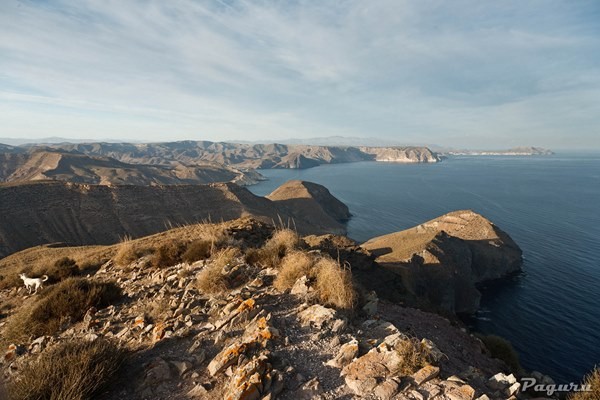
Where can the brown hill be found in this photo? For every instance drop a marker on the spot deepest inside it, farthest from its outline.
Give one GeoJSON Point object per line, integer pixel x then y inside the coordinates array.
{"type": "Point", "coordinates": [299, 198]}
{"type": "Point", "coordinates": [35, 213]}
{"type": "Point", "coordinates": [443, 259]}
{"type": "Point", "coordinates": [247, 155]}
{"type": "Point", "coordinates": [80, 168]}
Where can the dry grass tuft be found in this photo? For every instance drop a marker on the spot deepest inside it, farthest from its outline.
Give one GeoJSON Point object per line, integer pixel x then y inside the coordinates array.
{"type": "Point", "coordinates": [334, 284]}
{"type": "Point", "coordinates": [72, 370]}
{"type": "Point", "coordinates": [413, 357]}
{"type": "Point", "coordinates": [197, 250]}
{"type": "Point", "coordinates": [213, 279]}
{"type": "Point", "coordinates": [270, 255]}
{"type": "Point", "coordinates": [593, 380]}
{"type": "Point", "coordinates": [66, 301]}
{"type": "Point", "coordinates": [129, 251]}
{"type": "Point", "coordinates": [293, 266]}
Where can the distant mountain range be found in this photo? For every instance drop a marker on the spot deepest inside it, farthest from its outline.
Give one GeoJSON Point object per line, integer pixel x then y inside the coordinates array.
{"type": "Point", "coordinates": [515, 151]}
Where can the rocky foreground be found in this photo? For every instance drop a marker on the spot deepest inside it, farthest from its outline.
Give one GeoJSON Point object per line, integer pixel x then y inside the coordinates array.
{"type": "Point", "coordinates": [260, 315]}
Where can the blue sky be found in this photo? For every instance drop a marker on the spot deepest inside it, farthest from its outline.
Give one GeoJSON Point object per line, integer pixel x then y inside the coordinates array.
{"type": "Point", "coordinates": [478, 74]}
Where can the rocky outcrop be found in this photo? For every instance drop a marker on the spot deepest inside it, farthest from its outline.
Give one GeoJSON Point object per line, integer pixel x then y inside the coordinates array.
{"type": "Point", "coordinates": [442, 260]}
{"type": "Point", "coordinates": [248, 155]}
{"type": "Point", "coordinates": [48, 212]}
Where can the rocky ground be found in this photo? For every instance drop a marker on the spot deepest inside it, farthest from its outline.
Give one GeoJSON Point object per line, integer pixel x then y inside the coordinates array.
{"type": "Point", "coordinates": [256, 342]}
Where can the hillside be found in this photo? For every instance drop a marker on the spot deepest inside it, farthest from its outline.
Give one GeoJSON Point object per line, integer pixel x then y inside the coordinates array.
{"type": "Point", "coordinates": [238, 320]}
{"type": "Point", "coordinates": [79, 168]}
{"type": "Point", "coordinates": [35, 213]}
{"type": "Point", "coordinates": [246, 155]}
{"type": "Point", "coordinates": [461, 249]}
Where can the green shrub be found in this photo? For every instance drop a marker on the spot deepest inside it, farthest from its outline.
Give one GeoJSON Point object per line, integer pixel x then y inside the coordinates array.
{"type": "Point", "coordinates": [501, 349]}
{"type": "Point", "coordinates": [73, 370]}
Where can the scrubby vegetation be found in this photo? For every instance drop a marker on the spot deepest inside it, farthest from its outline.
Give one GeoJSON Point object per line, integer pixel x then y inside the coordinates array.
{"type": "Point", "coordinates": [334, 283]}
{"type": "Point", "coordinates": [168, 254]}
{"type": "Point", "coordinates": [72, 370]}
{"type": "Point", "coordinates": [199, 249]}
{"type": "Point", "coordinates": [213, 279]}
{"type": "Point", "coordinates": [413, 357]}
{"type": "Point", "coordinates": [129, 251]}
{"type": "Point", "coordinates": [593, 380]}
{"type": "Point", "coordinates": [501, 349]}
{"type": "Point", "coordinates": [270, 255]}
{"type": "Point", "coordinates": [68, 300]}
{"type": "Point", "coordinates": [293, 266]}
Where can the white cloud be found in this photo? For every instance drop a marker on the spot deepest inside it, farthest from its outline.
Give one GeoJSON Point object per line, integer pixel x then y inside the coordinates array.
{"type": "Point", "coordinates": [423, 71]}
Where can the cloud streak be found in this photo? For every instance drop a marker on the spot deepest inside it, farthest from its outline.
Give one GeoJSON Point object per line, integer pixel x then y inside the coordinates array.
{"type": "Point", "coordinates": [457, 73]}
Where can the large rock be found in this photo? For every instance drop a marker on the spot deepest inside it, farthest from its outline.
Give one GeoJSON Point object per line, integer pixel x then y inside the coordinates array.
{"type": "Point", "coordinates": [442, 260]}
{"type": "Point", "coordinates": [366, 373]}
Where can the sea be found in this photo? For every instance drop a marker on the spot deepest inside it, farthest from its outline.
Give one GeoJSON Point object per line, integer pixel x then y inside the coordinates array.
{"type": "Point", "coordinates": [550, 205]}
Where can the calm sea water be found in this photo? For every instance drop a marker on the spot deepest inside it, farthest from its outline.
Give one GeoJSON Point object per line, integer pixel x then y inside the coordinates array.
{"type": "Point", "coordinates": [549, 205]}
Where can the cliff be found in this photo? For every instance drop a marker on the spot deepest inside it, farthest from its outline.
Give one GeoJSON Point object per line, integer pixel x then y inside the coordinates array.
{"type": "Point", "coordinates": [442, 260]}
{"type": "Point", "coordinates": [45, 212]}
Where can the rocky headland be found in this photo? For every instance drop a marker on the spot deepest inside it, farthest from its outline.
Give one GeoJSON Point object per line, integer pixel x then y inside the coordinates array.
{"type": "Point", "coordinates": [442, 261]}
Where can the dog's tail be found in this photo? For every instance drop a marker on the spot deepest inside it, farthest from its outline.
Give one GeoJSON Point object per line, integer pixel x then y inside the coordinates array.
{"type": "Point", "coordinates": [45, 278]}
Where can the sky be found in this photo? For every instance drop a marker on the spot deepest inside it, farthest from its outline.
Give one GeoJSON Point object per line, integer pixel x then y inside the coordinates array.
{"type": "Point", "coordinates": [472, 74]}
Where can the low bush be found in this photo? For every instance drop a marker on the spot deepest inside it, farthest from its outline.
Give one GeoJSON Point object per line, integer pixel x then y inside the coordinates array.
{"type": "Point", "coordinates": [270, 255]}
{"type": "Point", "coordinates": [128, 252]}
{"type": "Point", "coordinates": [593, 380]}
{"type": "Point", "coordinates": [293, 266]}
{"type": "Point", "coordinates": [214, 279]}
{"type": "Point", "coordinates": [413, 357]}
{"type": "Point", "coordinates": [72, 370]}
{"type": "Point", "coordinates": [197, 250]}
{"type": "Point", "coordinates": [501, 349]}
{"type": "Point", "coordinates": [168, 254]}
{"type": "Point", "coordinates": [68, 300]}
{"type": "Point", "coordinates": [62, 269]}
{"type": "Point", "coordinates": [334, 284]}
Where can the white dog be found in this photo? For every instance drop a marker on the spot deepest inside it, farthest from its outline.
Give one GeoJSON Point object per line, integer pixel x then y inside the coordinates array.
{"type": "Point", "coordinates": [31, 282]}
